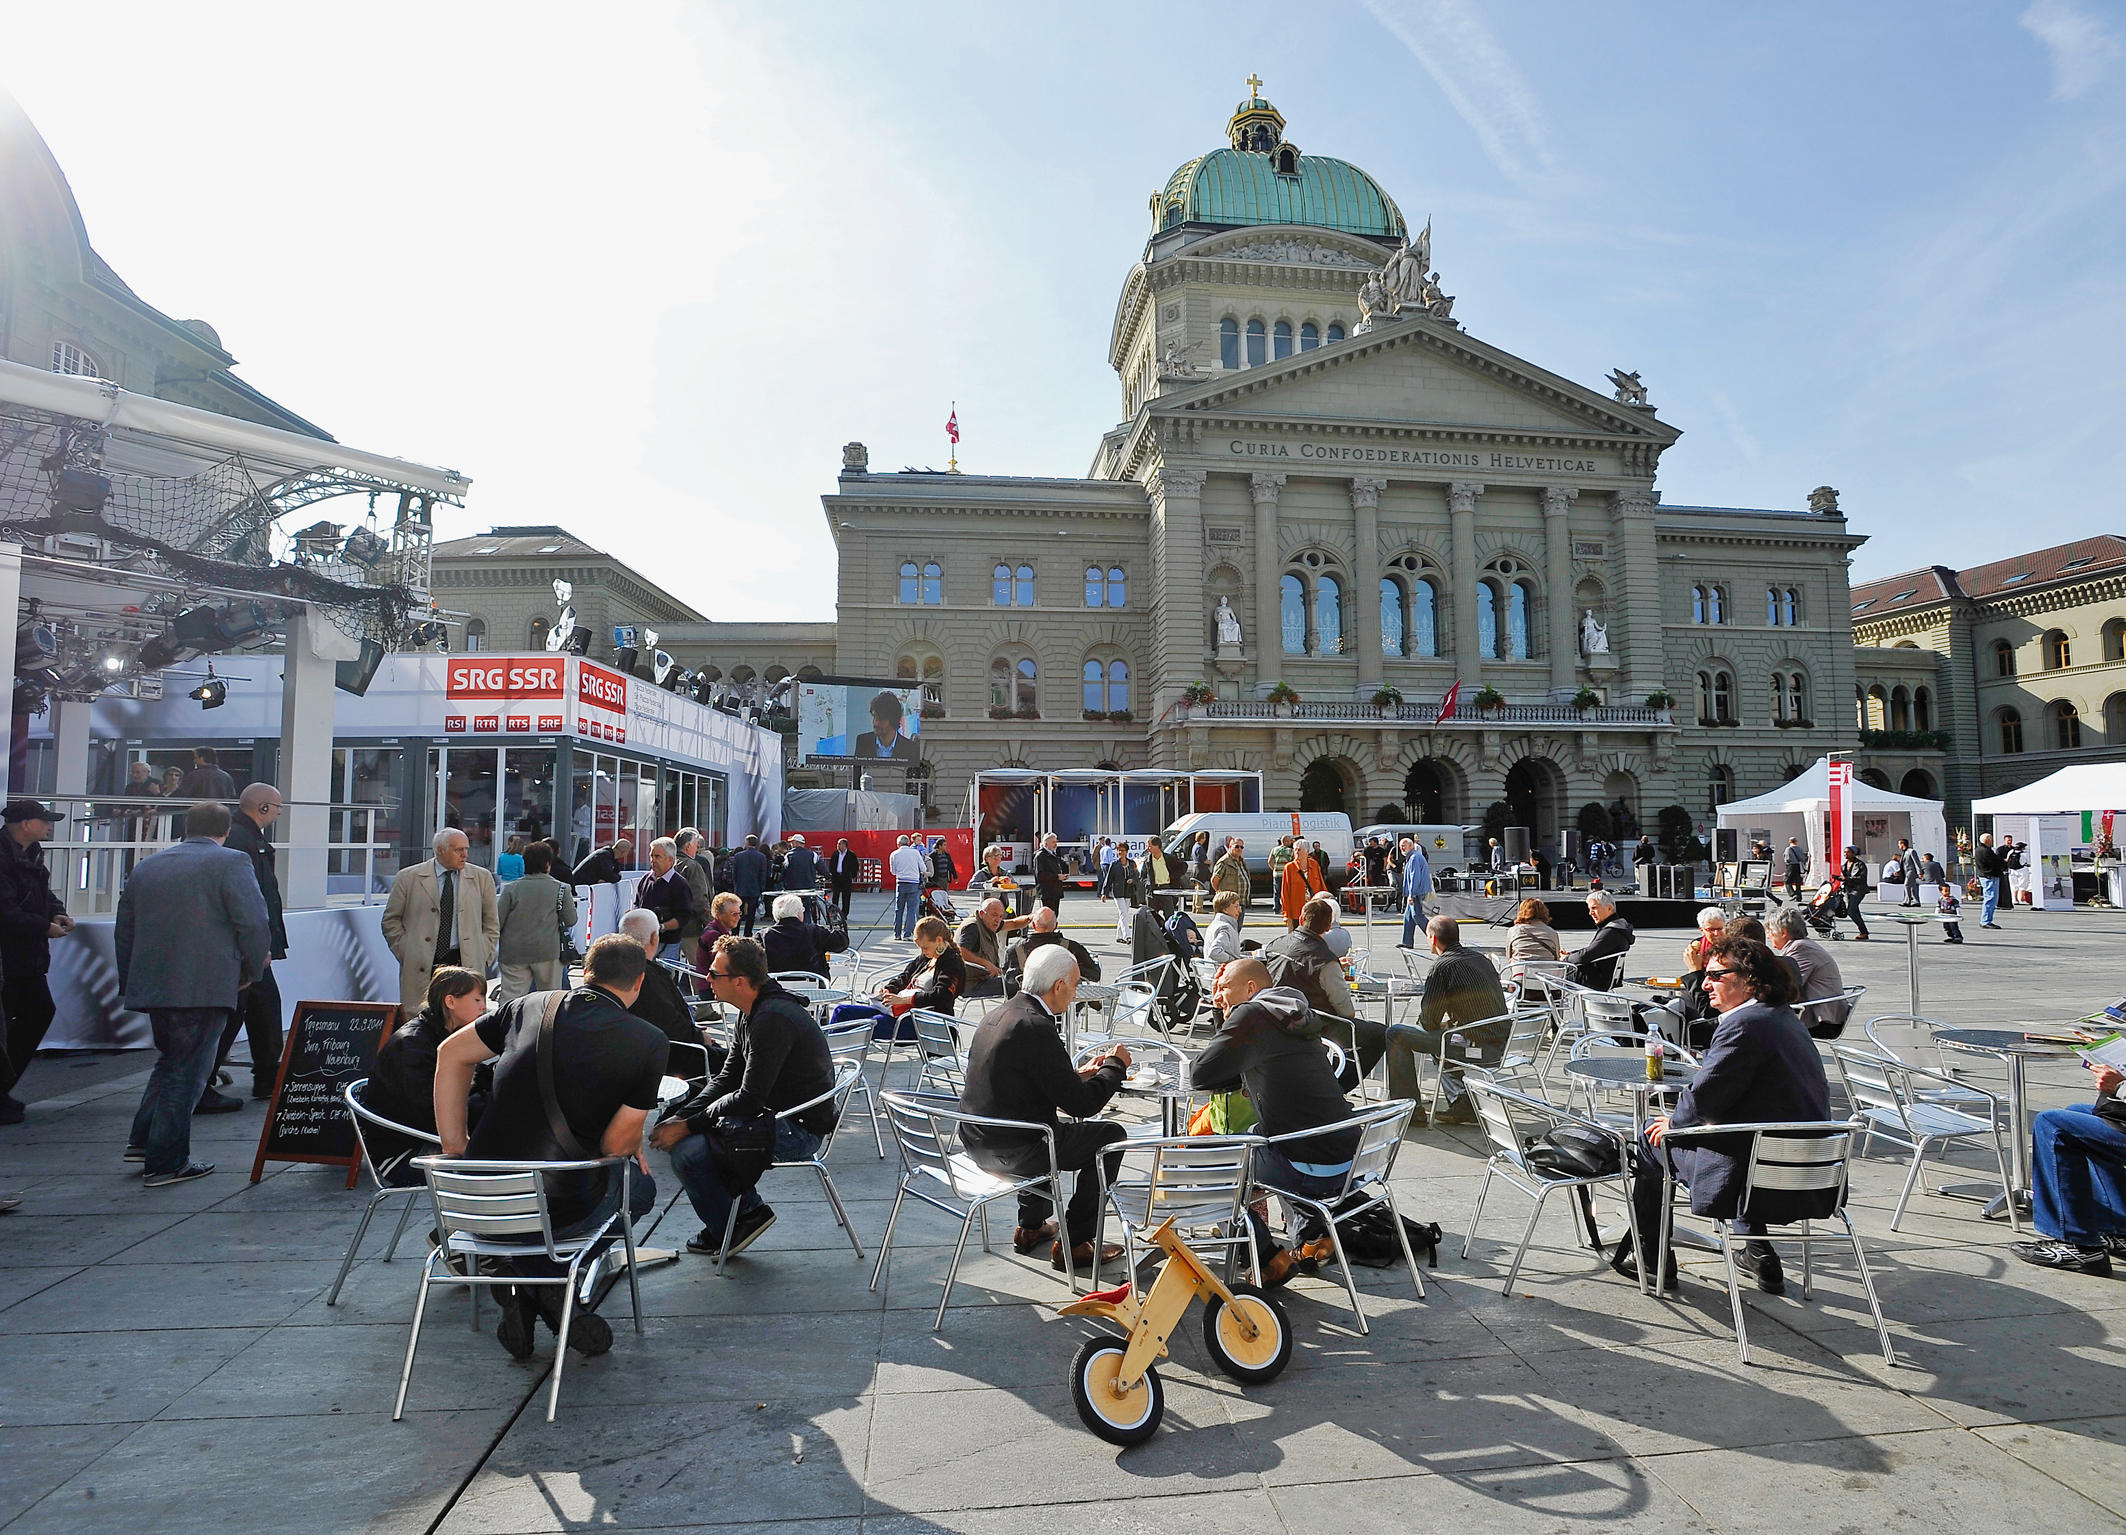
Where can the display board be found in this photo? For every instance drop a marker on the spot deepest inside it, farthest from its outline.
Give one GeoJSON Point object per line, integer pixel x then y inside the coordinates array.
{"type": "Point", "coordinates": [840, 719]}
{"type": "Point", "coordinates": [330, 1044]}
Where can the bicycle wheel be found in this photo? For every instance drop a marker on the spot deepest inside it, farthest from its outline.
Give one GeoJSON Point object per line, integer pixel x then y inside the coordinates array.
{"type": "Point", "coordinates": [1253, 1360]}
{"type": "Point", "coordinates": [1124, 1420]}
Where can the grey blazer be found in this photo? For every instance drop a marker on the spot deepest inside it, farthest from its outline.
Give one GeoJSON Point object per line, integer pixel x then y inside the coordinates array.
{"type": "Point", "coordinates": [192, 928]}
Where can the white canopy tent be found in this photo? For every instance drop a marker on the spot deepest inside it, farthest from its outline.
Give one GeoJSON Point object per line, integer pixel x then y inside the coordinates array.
{"type": "Point", "coordinates": [2052, 818]}
{"type": "Point", "coordinates": [1799, 808]}
{"type": "Point", "coordinates": [2087, 786]}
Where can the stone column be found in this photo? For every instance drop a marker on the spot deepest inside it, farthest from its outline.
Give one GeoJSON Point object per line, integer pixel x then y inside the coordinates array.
{"type": "Point", "coordinates": [1269, 632]}
{"type": "Point", "coordinates": [306, 755]}
{"type": "Point", "coordinates": [1177, 592]}
{"type": "Point", "coordinates": [1557, 551]}
{"type": "Point", "coordinates": [1365, 579]}
{"type": "Point", "coordinates": [1635, 595]}
{"type": "Point", "coordinates": [1468, 656]}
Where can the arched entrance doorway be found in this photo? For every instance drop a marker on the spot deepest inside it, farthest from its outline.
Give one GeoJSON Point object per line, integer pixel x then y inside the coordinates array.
{"type": "Point", "coordinates": [1535, 792]}
{"type": "Point", "coordinates": [1324, 784]}
{"type": "Point", "coordinates": [1428, 793]}
{"type": "Point", "coordinates": [1919, 783]}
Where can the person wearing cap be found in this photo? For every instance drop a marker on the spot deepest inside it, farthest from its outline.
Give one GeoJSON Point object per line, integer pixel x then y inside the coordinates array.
{"type": "Point", "coordinates": [31, 916]}
{"type": "Point", "coordinates": [800, 866]}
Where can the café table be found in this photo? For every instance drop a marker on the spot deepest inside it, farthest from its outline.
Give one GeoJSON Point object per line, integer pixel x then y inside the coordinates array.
{"type": "Point", "coordinates": [1628, 1073]}
{"type": "Point", "coordinates": [1389, 988]}
{"type": "Point", "coordinates": [1090, 994]}
{"type": "Point", "coordinates": [1911, 922]}
{"type": "Point", "coordinates": [2013, 1046]}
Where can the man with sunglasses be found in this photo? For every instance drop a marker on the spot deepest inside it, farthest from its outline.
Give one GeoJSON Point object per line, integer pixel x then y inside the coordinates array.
{"type": "Point", "coordinates": [1761, 1068]}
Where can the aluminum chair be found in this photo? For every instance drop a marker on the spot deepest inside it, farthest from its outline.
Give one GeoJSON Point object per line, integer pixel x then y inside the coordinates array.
{"type": "Point", "coordinates": [1957, 1092]}
{"type": "Point", "coordinates": [1583, 1010]}
{"type": "Point", "coordinates": [852, 1042]}
{"type": "Point", "coordinates": [1200, 1183]}
{"type": "Point", "coordinates": [941, 1067]}
{"type": "Point", "coordinates": [1449, 1036]}
{"type": "Point", "coordinates": [366, 1119]}
{"type": "Point", "coordinates": [847, 1073]}
{"type": "Point", "coordinates": [1801, 1157]}
{"type": "Point", "coordinates": [1883, 1094]}
{"type": "Point", "coordinates": [1380, 1137]}
{"type": "Point", "coordinates": [479, 1206]}
{"type": "Point", "coordinates": [1512, 1122]}
{"type": "Point", "coordinates": [935, 1171]}
{"type": "Point", "coordinates": [1136, 1006]}
{"type": "Point", "coordinates": [1849, 999]}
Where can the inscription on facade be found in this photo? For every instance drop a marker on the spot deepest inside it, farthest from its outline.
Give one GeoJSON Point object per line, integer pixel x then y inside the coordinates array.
{"type": "Point", "coordinates": [1590, 549]}
{"type": "Point", "coordinates": [1422, 458]}
{"type": "Point", "coordinates": [1221, 535]}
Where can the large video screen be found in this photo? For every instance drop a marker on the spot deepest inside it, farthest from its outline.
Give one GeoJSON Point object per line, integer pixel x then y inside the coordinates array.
{"type": "Point", "coordinates": [840, 721]}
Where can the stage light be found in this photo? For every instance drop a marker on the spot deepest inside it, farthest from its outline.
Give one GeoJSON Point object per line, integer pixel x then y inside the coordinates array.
{"type": "Point", "coordinates": [237, 622]}
{"type": "Point", "coordinates": [624, 659]}
{"type": "Point", "coordinates": [355, 676]}
{"type": "Point", "coordinates": [81, 490]}
{"type": "Point", "coordinates": [365, 548]}
{"type": "Point", "coordinates": [661, 663]}
{"type": "Point", "coordinates": [212, 693]}
{"type": "Point", "coordinates": [579, 641]}
{"type": "Point", "coordinates": [35, 641]}
{"type": "Point", "coordinates": [704, 689]}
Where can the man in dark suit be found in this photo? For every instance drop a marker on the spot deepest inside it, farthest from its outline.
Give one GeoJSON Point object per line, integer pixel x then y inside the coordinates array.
{"type": "Point", "coordinates": [885, 738]}
{"type": "Point", "coordinates": [749, 877]}
{"type": "Point", "coordinates": [1600, 963]}
{"type": "Point", "coordinates": [1761, 1068]}
{"type": "Point", "coordinates": [259, 1015]}
{"type": "Point", "coordinates": [841, 875]}
{"type": "Point", "coordinates": [1048, 874]}
{"type": "Point", "coordinates": [1019, 1068]}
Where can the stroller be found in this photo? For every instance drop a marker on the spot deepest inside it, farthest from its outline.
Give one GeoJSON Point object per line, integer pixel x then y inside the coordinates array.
{"type": "Point", "coordinates": [1823, 908]}
{"type": "Point", "coordinates": [1179, 938]}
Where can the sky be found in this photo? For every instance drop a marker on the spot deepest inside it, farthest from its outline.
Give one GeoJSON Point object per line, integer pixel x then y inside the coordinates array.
{"type": "Point", "coordinates": [642, 270]}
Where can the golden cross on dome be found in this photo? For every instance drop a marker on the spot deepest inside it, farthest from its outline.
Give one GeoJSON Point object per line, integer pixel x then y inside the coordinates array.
{"type": "Point", "coordinates": [1254, 84]}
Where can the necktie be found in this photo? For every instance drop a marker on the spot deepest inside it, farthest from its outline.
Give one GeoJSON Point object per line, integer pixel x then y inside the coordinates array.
{"type": "Point", "coordinates": [447, 923]}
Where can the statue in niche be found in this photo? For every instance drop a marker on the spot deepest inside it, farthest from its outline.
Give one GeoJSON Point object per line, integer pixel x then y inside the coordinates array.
{"type": "Point", "coordinates": [1228, 622]}
{"type": "Point", "coordinates": [1594, 635]}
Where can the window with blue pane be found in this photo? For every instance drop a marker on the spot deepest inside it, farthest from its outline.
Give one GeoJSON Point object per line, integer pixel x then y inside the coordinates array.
{"type": "Point", "coordinates": [1329, 616]}
{"type": "Point", "coordinates": [1256, 343]}
{"type": "Point", "coordinates": [1022, 587]}
{"type": "Point", "coordinates": [1391, 616]}
{"type": "Point", "coordinates": [1309, 336]}
{"type": "Point", "coordinates": [1095, 687]}
{"type": "Point", "coordinates": [1292, 614]}
{"type": "Point", "coordinates": [1281, 339]}
{"type": "Point", "coordinates": [1336, 333]}
{"type": "Point", "coordinates": [1487, 620]}
{"type": "Point", "coordinates": [1424, 621]}
{"type": "Point", "coordinates": [1229, 343]}
{"type": "Point", "coordinates": [1117, 587]}
{"type": "Point", "coordinates": [933, 584]}
{"type": "Point", "coordinates": [1095, 587]}
{"type": "Point", "coordinates": [910, 589]}
{"type": "Point", "coordinates": [1517, 621]}
{"type": "Point", "coordinates": [1000, 587]}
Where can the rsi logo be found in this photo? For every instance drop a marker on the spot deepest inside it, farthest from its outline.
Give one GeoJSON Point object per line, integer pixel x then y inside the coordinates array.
{"type": "Point", "coordinates": [597, 686]}
{"type": "Point", "coordinates": [520, 678]}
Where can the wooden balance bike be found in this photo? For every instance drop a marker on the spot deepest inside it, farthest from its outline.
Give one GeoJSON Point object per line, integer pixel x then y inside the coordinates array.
{"type": "Point", "coordinates": [1116, 1390]}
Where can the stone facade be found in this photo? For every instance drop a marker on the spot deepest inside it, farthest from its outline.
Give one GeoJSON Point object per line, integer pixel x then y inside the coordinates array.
{"type": "Point", "coordinates": [501, 586]}
{"type": "Point", "coordinates": [1404, 507]}
{"type": "Point", "coordinates": [2019, 664]}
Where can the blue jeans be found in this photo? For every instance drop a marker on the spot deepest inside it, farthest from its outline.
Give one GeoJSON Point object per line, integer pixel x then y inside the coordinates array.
{"type": "Point", "coordinates": [1274, 1168]}
{"type": "Point", "coordinates": [188, 1038]}
{"type": "Point", "coordinates": [907, 907]}
{"type": "Point", "coordinates": [1991, 889]}
{"type": "Point", "coordinates": [1413, 919]}
{"type": "Point", "coordinates": [696, 1168]}
{"type": "Point", "coordinates": [2077, 1175]}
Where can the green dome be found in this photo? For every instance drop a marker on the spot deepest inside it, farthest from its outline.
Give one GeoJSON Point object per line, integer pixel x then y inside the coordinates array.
{"type": "Point", "coordinates": [1229, 187]}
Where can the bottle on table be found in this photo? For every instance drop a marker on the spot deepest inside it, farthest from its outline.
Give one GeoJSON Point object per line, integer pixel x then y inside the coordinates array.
{"type": "Point", "coordinates": [1653, 1058]}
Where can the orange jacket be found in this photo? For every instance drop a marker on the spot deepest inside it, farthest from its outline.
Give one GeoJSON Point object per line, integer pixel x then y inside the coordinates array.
{"type": "Point", "coordinates": [1300, 880]}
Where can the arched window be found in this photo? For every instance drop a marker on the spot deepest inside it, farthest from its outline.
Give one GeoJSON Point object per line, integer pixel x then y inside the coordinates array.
{"type": "Point", "coordinates": [1878, 708]}
{"type": "Point", "coordinates": [2115, 720]}
{"type": "Point", "coordinates": [1292, 614]}
{"type": "Point", "coordinates": [1309, 337]}
{"type": "Point", "coordinates": [1900, 708]}
{"type": "Point", "coordinates": [2058, 654]}
{"type": "Point", "coordinates": [1000, 587]}
{"type": "Point", "coordinates": [1424, 621]}
{"type": "Point", "coordinates": [1716, 696]}
{"type": "Point", "coordinates": [1106, 686]}
{"type": "Point", "coordinates": [1328, 615]}
{"type": "Point", "coordinates": [1256, 355]}
{"type": "Point", "coordinates": [1391, 616]}
{"type": "Point", "coordinates": [1716, 604]}
{"type": "Point", "coordinates": [1922, 709]}
{"type": "Point", "coordinates": [1117, 587]}
{"type": "Point", "coordinates": [933, 584]}
{"type": "Point", "coordinates": [1281, 339]}
{"type": "Point", "coordinates": [1791, 602]}
{"type": "Point", "coordinates": [918, 663]}
{"type": "Point", "coordinates": [1336, 333]}
{"type": "Point", "coordinates": [536, 640]}
{"type": "Point", "coordinates": [1022, 589]}
{"type": "Point", "coordinates": [475, 634]}
{"type": "Point", "coordinates": [1229, 343]}
{"type": "Point", "coordinates": [1697, 604]}
{"type": "Point", "coordinates": [1487, 620]}
{"type": "Point", "coordinates": [909, 586]}
{"type": "Point", "coordinates": [1771, 605]}
{"type": "Point", "coordinates": [2003, 659]}
{"type": "Point", "coordinates": [1095, 586]}
{"type": "Point", "coordinates": [2115, 640]}
{"type": "Point", "coordinates": [1517, 605]}
{"type": "Point", "coordinates": [2011, 724]}
{"type": "Point", "coordinates": [71, 359]}
{"type": "Point", "coordinates": [1011, 684]}
{"type": "Point", "coordinates": [2066, 727]}
{"type": "Point", "coordinates": [1797, 697]}
{"type": "Point", "coordinates": [1719, 786]}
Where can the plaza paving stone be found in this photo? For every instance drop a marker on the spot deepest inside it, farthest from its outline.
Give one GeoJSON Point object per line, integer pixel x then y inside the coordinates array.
{"type": "Point", "coordinates": [167, 1360]}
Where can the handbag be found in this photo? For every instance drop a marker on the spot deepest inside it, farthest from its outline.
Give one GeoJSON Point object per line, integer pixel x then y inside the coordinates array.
{"type": "Point", "coordinates": [1573, 1151]}
{"type": "Point", "coordinates": [742, 1147]}
{"type": "Point", "coordinates": [571, 956]}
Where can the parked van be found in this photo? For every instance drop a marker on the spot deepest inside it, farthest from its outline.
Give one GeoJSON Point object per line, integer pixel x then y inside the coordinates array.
{"type": "Point", "coordinates": [1445, 846]}
{"type": "Point", "coordinates": [1331, 828]}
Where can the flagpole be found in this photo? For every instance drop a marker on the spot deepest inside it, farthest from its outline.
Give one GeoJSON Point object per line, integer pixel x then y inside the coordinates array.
{"type": "Point", "coordinates": [952, 465]}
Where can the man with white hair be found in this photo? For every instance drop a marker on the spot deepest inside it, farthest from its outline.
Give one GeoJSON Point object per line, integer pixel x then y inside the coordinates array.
{"type": "Point", "coordinates": [1815, 973]}
{"type": "Point", "coordinates": [792, 943]}
{"type": "Point", "coordinates": [906, 867]}
{"type": "Point", "coordinates": [981, 947]}
{"type": "Point", "coordinates": [1019, 1068]}
{"type": "Point", "coordinates": [664, 890]}
{"type": "Point", "coordinates": [1046, 929]}
{"type": "Point", "coordinates": [441, 912]}
{"type": "Point", "coordinates": [701, 888]}
{"type": "Point", "coordinates": [1600, 964]}
{"type": "Point", "coordinates": [660, 1001]}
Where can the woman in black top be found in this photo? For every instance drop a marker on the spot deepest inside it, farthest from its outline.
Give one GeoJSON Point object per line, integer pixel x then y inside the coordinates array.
{"type": "Point", "coordinates": [1852, 886]}
{"type": "Point", "coordinates": [934, 979]}
{"type": "Point", "coordinates": [402, 1086]}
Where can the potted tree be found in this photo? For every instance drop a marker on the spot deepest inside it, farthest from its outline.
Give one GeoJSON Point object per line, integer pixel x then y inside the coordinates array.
{"type": "Point", "coordinates": [1195, 696]}
{"type": "Point", "coordinates": [1387, 698]}
{"type": "Point", "coordinates": [1662, 702]}
{"type": "Point", "coordinates": [1282, 697]}
{"type": "Point", "coordinates": [1490, 700]}
{"type": "Point", "coordinates": [1586, 699]}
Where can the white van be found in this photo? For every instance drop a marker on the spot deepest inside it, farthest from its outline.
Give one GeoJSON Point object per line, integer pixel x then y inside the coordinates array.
{"type": "Point", "coordinates": [1331, 828]}
{"type": "Point", "coordinates": [1443, 845]}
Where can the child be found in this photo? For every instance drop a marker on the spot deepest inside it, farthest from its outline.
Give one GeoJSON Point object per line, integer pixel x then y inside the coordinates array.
{"type": "Point", "coordinates": [1949, 906]}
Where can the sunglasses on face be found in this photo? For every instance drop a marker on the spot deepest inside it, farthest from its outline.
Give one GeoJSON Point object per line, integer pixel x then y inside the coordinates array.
{"type": "Point", "coordinates": [725, 975]}
{"type": "Point", "coordinates": [1718, 975]}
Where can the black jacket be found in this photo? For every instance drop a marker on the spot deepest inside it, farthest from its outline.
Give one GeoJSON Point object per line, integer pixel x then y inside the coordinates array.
{"type": "Point", "coordinates": [800, 870]}
{"type": "Point", "coordinates": [779, 1059]}
{"type": "Point", "coordinates": [601, 868]}
{"type": "Point", "coordinates": [942, 988]}
{"type": "Point", "coordinates": [1461, 988]}
{"type": "Point", "coordinates": [1600, 962]}
{"type": "Point", "coordinates": [1019, 1068]}
{"type": "Point", "coordinates": [749, 872]}
{"type": "Point", "coordinates": [1304, 962]}
{"type": "Point", "coordinates": [1018, 953]}
{"type": "Point", "coordinates": [1048, 872]}
{"type": "Point", "coordinates": [1986, 859]}
{"type": "Point", "coordinates": [402, 1088]}
{"type": "Point", "coordinates": [659, 1002]}
{"type": "Point", "coordinates": [841, 869]}
{"type": "Point", "coordinates": [27, 906]}
{"type": "Point", "coordinates": [1271, 1045]}
{"type": "Point", "coordinates": [795, 944]}
{"type": "Point", "coordinates": [247, 839]}
{"type": "Point", "coordinates": [1761, 1068]}
{"type": "Point", "coordinates": [944, 873]}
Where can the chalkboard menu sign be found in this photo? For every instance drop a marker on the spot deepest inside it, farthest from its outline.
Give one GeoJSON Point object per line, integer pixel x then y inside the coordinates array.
{"type": "Point", "coordinates": [330, 1044]}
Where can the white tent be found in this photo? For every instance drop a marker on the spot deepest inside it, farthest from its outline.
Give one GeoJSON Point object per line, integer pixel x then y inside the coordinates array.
{"type": "Point", "coordinates": [2087, 786]}
{"type": "Point", "coordinates": [1799, 808]}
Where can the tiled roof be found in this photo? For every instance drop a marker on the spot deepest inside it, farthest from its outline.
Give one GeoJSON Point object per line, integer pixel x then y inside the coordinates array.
{"type": "Point", "coordinates": [518, 543]}
{"type": "Point", "coordinates": [1938, 583]}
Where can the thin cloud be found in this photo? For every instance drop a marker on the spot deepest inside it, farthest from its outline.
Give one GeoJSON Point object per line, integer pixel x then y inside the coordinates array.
{"type": "Point", "coordinates": [1451, 40]}
{"type": "Point", "coordinates": [2080, 46]}
{"type": "Point", "coordinates": [1744, 441]}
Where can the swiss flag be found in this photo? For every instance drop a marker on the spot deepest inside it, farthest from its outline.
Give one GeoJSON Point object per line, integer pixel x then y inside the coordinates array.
{"type": "Point", "coordinates": [1446, 705]}
{"type": "Point", "coordinates": [952, 426]}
